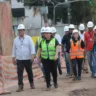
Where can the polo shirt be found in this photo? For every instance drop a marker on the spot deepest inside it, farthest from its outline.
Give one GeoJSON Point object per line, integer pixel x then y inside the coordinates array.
{"type": "Point", "coordinates": [88, 38]}
{"type": "Point", "coordinates": [66, 41]}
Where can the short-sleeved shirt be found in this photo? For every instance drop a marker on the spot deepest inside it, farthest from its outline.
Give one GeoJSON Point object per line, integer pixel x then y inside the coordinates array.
{"type": "Point", "coordinates": [58, 37]}
{"type": "Point", "coordinates": [66, 41]}
{"type": "Point", "coordinates": [81, 35]}
{"type": "Point", "coordinates": [88, 38]}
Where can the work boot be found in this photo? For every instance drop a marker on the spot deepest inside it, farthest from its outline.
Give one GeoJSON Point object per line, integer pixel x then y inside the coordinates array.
{"type": "Point", "coordinates": [32, 86]}
{"type": "Point", "coordinates": [20, 88]}
{"type": "Point", "coordinates": [56, 85]}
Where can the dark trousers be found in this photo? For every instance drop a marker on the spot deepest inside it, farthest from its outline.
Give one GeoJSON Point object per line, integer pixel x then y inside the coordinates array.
{"type": "Point", "coordinates": [77, 65]}
{"type": "Point", "coordinates": [27, 64]}
{"type": "Point", "coordinates": [50, 67]}
{"type": "Point", "coordinates": [59, 64]}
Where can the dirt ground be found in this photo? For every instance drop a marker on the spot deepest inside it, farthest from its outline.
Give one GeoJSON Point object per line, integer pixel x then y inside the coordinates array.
{"type": "Point", "coordinates": [83, 92]}
{"type": "Point", "coordinates": [67, 87]}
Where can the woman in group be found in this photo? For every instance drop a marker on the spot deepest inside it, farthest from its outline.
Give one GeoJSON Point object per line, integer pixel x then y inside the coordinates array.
{"type": "Point", "coordinates": [48, 51]}
{"type": "Point", "coordinates": [76, 54]}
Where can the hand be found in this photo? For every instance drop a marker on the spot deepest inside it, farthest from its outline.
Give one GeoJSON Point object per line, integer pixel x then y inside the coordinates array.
{"type": "Point", "coordinates": [55, 57]}
{"type": "Point", "coordinates": [39, 60]}
{"type": "Point", "coordinates": [14, 61]}
{"type": "Point", "coordinates": [32, 59]}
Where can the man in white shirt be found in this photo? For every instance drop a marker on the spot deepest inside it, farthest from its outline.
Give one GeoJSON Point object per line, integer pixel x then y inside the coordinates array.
{"type": "Point", "coordinates": [23, 55]}
{"type": "Point", "coordinates": [82, 31]}
{"type": "Point", "coordinates": [58, 38]}
{"type": "Point", "coordinates": [85, 62]}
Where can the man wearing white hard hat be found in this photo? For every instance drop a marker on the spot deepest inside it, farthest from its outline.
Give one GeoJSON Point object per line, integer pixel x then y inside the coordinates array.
{"type": "Point", "coordinates": [88, 36]}
{"type": "Point", "coordinates": [76, 54]}
{"type": "Point", "coordinates": [42, 31]}
{"type": "Point", "coordinates": [66, 41]}
{"type": "Point", "coordinates": [71, 28]}
{"type": "Point", "coordinates": [66, 31]}
{"type": "Point", "coordinates": [58, 38]}
{"type": "Point", "coordinates": [23, 55]}
{"type": "Point", "coordinates": [48, 53]}
{"type": "Point", "coordinates": [40, 38]}
{"type": "Point", "coordinates": [81, 33]}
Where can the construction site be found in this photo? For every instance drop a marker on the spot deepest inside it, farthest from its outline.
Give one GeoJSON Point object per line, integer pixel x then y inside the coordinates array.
{"type": "Point", "coordinates": [8, 72]}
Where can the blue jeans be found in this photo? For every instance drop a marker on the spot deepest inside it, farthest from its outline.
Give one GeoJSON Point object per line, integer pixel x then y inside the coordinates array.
{"type": "Point", "coordinates": [94, 64]}
{"type": "Point", "coordinates": [89, 57]}
{"type": "Point", "coordinates": [67, 64]}
{"type": "Point", "coordinates": [42, 69]}
{"type": "Point", "coordinates": [59, 64]}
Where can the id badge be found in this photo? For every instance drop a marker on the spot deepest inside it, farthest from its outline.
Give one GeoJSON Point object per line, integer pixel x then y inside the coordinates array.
{"type": "Point", "coordinates": [90, 39]}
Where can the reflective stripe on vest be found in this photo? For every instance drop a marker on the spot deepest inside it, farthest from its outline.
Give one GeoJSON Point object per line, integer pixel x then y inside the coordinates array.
{"type": "Point", "coordinates": [48, 50]}
{"type": "Point", "coordinates": [76, 51]}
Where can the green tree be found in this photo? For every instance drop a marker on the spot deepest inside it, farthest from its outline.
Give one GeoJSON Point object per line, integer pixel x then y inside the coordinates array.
{"type": "Point", "coordinates": [93, 10]}
{"type": "Point", "coordinates": [80, 11]}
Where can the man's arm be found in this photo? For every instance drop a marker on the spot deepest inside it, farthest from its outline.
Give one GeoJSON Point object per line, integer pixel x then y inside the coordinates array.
{"type": "Point", "coordinates": [38, 54]}
{"type": "Point", "coordinates": [32, 48]}
{"type": "Point", "coordinates": [59, 39]}
{"type": "Point", "coordinates": [63, 43]}
{"type": "Point", "coordinates": [14, 53]}
{"type": "Point", "coordinates": [85, 45]}
{"type": "Point", "coordinates": [56, 55]}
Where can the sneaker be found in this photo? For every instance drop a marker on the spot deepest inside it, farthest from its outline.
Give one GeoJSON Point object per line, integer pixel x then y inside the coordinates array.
{"type": "Point", "coordinates": [93, 76]}
{"type": "Point", "coordinates": [79, 77]}
{"type": "Point", "coordinates": [32, 86]}
{"type": "Point", "coordinates": [20, 88]}
{"type": "Point", "coordinates": [48, 88]}
{"type": "Point", "coordinates": [56, 85]}
{"type": "Point", "coordinates": [67, 75]}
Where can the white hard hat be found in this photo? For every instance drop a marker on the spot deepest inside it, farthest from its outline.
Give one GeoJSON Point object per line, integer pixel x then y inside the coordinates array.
{"type": "Point", "coordinates": [90, 24]}
{"type": "Point", "coordinates": [95, 28]}
{"type": "Point", "coordinates": [66, 29]}
{"type": "Point", "coordinates": [75, 31]}
{"type": "Point", "coordinates": [71, 26]}
{"type": "Point", "coordinates": [81, 27]}
{"type": "Point", "coordinates": [53, 30]}
{"type": "Point", "coordinates": [43, 29]}
{"type": "Point", "coordinates": [48, 30]}
{"type": "Point", "coordinates": [21, 27]}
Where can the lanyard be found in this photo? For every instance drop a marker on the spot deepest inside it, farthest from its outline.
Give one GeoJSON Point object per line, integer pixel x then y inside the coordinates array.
{"type": "Point", "coordinates": [91, 34]}
{"type": "Point", "coordinates": [21, 40]}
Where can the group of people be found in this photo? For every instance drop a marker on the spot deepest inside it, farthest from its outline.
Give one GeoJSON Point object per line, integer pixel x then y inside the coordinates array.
{"type": "Point", "coordinates": [80, 49]}
{"type": "Point", "coordinates": [78, 46]}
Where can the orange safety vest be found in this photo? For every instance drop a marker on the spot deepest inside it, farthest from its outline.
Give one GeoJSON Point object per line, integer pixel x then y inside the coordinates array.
{"type": "Point", "coordinates": [76, 51]}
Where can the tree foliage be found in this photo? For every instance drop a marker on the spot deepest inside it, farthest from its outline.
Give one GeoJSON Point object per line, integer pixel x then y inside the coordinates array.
{"type": "Point", "coordinates": [81, 12]}
{"type": "Point", "coordinates": [93, 10]}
